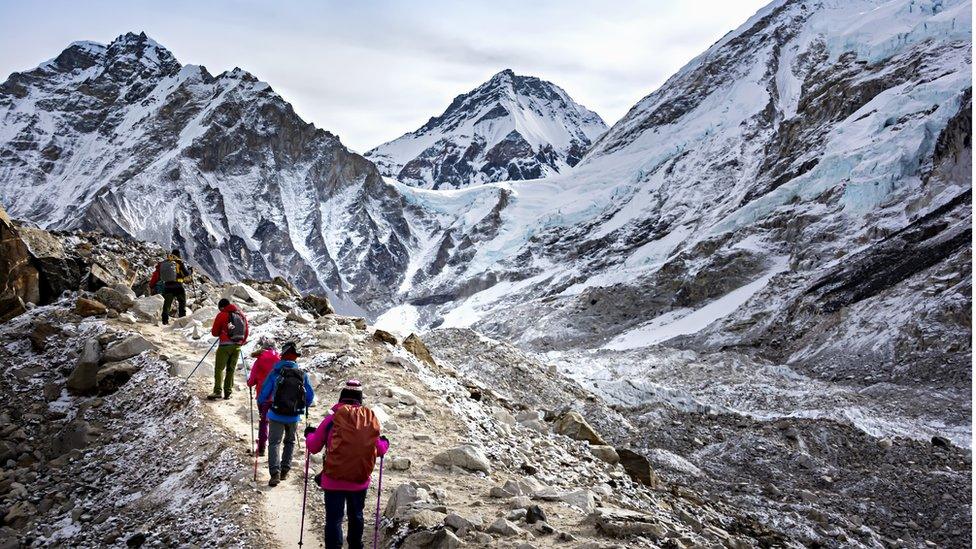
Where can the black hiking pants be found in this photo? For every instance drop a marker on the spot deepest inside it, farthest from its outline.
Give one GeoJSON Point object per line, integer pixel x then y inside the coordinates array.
{"type": "Point", "coordinates": [170, 292]}
{"type": "Point", "coordinates": [336, 502]}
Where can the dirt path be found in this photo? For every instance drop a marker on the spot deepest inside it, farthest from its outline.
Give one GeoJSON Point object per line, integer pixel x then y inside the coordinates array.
{"type": "Point", "coordinates": [281, 505]}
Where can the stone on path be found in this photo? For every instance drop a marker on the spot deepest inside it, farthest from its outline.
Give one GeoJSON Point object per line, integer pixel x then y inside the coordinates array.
{"type": "Point", "coordinates": [466, 456]}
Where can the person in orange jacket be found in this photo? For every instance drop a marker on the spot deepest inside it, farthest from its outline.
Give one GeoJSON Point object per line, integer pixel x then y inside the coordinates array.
{"type": "Point", "coordinates": [230, 325]}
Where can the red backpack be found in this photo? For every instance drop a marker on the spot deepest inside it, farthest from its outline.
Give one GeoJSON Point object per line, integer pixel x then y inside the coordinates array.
{"type": "Point", "coordinates": [352, 450]}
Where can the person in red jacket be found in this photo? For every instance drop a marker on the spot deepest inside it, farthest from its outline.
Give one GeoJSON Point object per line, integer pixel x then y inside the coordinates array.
{"type": "Point", "coordinates": [266, 357]}
{"type": "Point", "coordinates": [230, 325]}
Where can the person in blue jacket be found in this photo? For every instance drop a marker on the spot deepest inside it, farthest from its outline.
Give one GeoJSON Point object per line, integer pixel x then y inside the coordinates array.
{"type": "Point", "coordinates": [289, 393]}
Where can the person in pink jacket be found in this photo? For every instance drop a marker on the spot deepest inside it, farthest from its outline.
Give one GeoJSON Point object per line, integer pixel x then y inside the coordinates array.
{"type": "Point", "coordinates": [342, 494]}
{"type": "Point", "coordinates": [266, 357]}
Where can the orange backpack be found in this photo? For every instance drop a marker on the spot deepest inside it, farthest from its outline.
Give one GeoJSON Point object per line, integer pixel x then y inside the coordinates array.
{"type": "Point", "coordinates": [352, 451]}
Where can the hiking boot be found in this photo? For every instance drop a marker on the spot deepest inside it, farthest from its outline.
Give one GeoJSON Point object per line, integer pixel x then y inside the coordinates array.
{"type": "Point", "coordinates": [213, 396]}
{"type": "Point", "coordinates": [284, 473]}
{"type": "Point", "coordinates": [275, 479]}
{"type": "Point", "coordinates": [226, 396]}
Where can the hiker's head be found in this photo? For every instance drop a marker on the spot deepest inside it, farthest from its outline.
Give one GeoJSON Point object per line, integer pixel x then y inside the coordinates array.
{"type": "Point", "coordinates": [290, 351]}
{"type": "Point", "coordinates": [223, 303]}
{"type": "Point", "coordinates": [175, 253]}
{"type": "Point", "coordinates": [265, 342]}
{"type": "Point", "coordinates": [352, 393]}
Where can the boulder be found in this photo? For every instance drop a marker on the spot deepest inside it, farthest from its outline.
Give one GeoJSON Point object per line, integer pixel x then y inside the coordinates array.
{"type": "Point", "coordinates": [384, 337]}
{"type": "Point", "coordinates": [318, 303]}
{"type": "Point", "coordinates": [438, 539]}
{"type": "Point", "coordinates": [503, 527]}
{"type": "Point", "coordinates": [204, 315]}
{"type": "Point", "coordinates": [299, 316]}
{"type": "Point", "coordinates": [83, 379]}
{"type": "Point", "coordinates": [19, 276]}
{"type": "Point", "coordinates": [535, 514]}
{"type": "Point", "coordinates": [581, 499]}
{"type": "Point", "coordinates": [359, 323]}
{"type": "Point", "coordinates": [466, 456]}
{"type": "Point", "coordinates": [402, 396]}
{"type": "Point", "coordinates": [426, 518]}
{"type": "Point", "coordinates": [638, 467]}
{"type": "Point", "coordinates": [89, 307]}
{"type": "Point", "coordinates": [401, 500]}
{"type": "Point", "coordinates": [459, 523]}
{"type": "Point", "coordinates": [114, 299]}
{"type": "Point", "coordinates": [111, 271]}
{"type": "Point", "coordinates": [400, 464]}
{"type": "Point", "coordinates": [149, 307]}
{"type": "Point", "coordinates": [127, 348]}
{"type": "Point", "coordinates": [73, 436]}
{"type": "Point", "coordinates": [416, 347]}
{"type": "Point", "coordinates": [39, 334]}
{"type": "Point", "coordinates": [114, 375]}
{"type": "Point", "coordinates": [238, 293]}
{"type": "Point", "coordinates": [572, 425]}
{"type": "Point", "coordinates": [59, 270]}
{"type": "Point", "coordinates": [503, 416]}
{"type": "Point", "coordinates": [941, 442]}
{"type": "Point", "coordinates": [623, 523]}
{"type": "Point", "coordinates": [605, 453]}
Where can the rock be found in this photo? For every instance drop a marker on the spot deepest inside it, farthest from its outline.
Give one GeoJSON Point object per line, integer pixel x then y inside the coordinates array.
{"type": "Point", "coordinates": [439, 539]}
{"type": "Point", "coordinates": [83, 378]}
{"type": "Point", "coordinates": [242, 293]}
{"type": "Point", "coordinates": [127, 318]}
{"type": "Point", "coordinates": [516, 514]}
{"type": "Point", "coordinates": [403, 396]}
{"type": "Point", "coordinates": [503, 527]}
{"type": "Point", "coordinates": [623, 523]}
{"type": "Point", "coordinates": [299, 316]}
{"type": "Point", "coordinates": [40, 332]}
{"type": "Point", "coordinates": [19, 514]}
{"type": "Point", "coordinates": [808, 497]}
{"type": "Point", "coordinates": [581, 499]}
{"type": "Point", "coordinates": [605, 453]}
{"type": "Point", "coordinates": [127, 348]}
{"type": "Point", "coordinates": [572, 425]}
{"type": "Point", "coordinates": [426, 518]}
{"type": "Point", "coordinates": [73, 436]}
{"type": "Point", "coordinates": [59, 271]}
{"type": "Point", "coordinates": [466, 456]}
{"type": "Point", "coordinates": [319, 303]}
{"type": "Point", "coordinates": [148, 307]}
{"type": "Point", "coordinates": [416, 347]}
{"type": "Point", "coordinates": [638, 467]}
{"type": "Point", "coordinates": [114, 299]}
{"type": "Point", "coordinates": [111, 271]}
{"type": "Point", "coordinates": [384, 337]}
{"type": "Point", "coordinates": [503, 416]}
{"type": "Point", "coordinates": [528, 415]}
{"type": "Point", "coordinates": [402, 498]}
{"type": "Point", "coordinates": [536, 425]}
{"type": "Point", "coordinates": [204, 315]}
{"type": "Point", "coordinates": [400, 464]}
{"type": "Point", "coordinates": [457, 522]}
{"type": "Point", "coordinates": [535, 514]}
{"type": "Point", "coordinates": [941, 442]}
{"type": "Point", "coordinates": [359, 323]}
{"type": "Point", "coordinates": [114, 375]}
{"type": "Point", "coordinates": [19, 276]}
{"type": "Point", "coordinates": [89, 307]}
{"type": "Point", "coordinates": [885, 443]}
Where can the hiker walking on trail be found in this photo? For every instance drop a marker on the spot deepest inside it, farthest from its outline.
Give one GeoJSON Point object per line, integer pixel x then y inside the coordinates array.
{"type": "Point", "coordinates": [265, 359]}
{"type": "Point", "coordinates": [168, 279]}
{"type": "Point", "coordinates": [230, 325]}
{"type": "Point", "coordinates": [288, 393]}
{"type": "Point", "coordinates": [352, 441]}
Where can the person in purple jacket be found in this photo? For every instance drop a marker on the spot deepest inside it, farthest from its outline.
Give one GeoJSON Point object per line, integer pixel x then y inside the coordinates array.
{"type": "Point", "coordinates": [341, 494]}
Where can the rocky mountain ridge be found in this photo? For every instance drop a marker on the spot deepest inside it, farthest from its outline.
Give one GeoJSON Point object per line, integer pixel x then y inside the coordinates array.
{"type": "Point", "coordinates": [510, 128]}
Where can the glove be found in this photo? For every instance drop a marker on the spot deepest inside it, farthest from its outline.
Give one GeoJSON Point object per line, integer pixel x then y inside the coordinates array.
{"type": "Point", "coordinates": [384, 439]}
{"type": "Point", "coordinates": [309, 430]}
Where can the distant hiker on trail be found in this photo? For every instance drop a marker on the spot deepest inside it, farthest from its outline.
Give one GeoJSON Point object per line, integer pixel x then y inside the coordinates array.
{"type": "Point", "coordinates": [168, 279]}
{"type": "Point", "coordinates": [230, 325]}
{"type": "Point", "coordinates": [266, 358]}
{"type": "Point", "coordinates": [288, 393]}
{"type": "Point", "coordinates": [351, 438]}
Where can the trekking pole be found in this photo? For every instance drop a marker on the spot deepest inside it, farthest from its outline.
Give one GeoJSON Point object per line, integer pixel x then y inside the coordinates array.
{"type": "Point", "coordinates": [379, 492]}
{"type": "Point", "coordinates": [254, 448]}
{"type": "Point", "coordinates": [301, 535]}
{"type": "Point", "coordinates": [201, 360]}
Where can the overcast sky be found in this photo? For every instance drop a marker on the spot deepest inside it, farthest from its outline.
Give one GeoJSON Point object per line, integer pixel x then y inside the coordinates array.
{"type": "Point", "coordinates": [373, 70]}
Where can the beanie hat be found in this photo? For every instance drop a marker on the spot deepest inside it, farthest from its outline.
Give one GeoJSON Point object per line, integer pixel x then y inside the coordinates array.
{"type": "Point", "coordinates": [352, 392]}
{"type": "Point", "coordinates": [290, 348]}
{"type": "Point", "coordinates": [265, 342]}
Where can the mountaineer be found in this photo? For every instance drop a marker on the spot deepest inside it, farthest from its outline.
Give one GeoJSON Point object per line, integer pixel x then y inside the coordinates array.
{"type": "Point", "coordinates": [168, 279]}
{"type": "Point", "coordinates": [288, 393]}
{"type": "Point", "coordinates": [352, 441]}
{"type": "Point", "coordinates": [266, 357]}
{"type": "Point", "coordinates": [230, 325]}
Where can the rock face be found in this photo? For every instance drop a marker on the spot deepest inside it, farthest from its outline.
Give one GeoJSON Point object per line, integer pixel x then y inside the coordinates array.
{"type": "Point", "coordinates": [509, 128]}
{"type": "Point", "coordinates": [19, 278]}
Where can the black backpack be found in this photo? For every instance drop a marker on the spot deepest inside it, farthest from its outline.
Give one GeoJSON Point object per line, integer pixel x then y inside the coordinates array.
{"type": "Point", "coordinates": [236, 326]}
{"type": "Point", "coordinates": [289, 392]}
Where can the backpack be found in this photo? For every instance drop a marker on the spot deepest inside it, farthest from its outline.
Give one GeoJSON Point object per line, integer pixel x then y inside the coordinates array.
{"type": "Point", "coordinates": [168, 271]}
{"type": "Point", "coordinates": [352, 450]}
{"type": "Point", "coordinates": [288, 398]}
{"type": "Point", "coordinates": [236, 326]}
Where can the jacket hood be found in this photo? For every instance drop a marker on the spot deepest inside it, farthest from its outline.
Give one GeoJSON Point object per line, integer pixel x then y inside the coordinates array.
{"type": "Point", "coordinates": [285, 364]}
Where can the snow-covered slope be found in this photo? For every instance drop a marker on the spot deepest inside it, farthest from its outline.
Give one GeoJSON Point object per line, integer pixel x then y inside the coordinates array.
{"type": "Point", "coordinates": [509, 128]}
{"type": "Point", "coordinates": [124, 139]}
{"type": "Point", "coordinates": [798, 182]}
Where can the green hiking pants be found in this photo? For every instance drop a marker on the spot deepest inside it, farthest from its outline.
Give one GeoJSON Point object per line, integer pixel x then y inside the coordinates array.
{"type": "Point", "coordinates": [224, 367]}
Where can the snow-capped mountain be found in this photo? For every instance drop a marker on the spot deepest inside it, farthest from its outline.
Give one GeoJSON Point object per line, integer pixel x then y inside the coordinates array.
{"type": "Point", "coordinates": [801, 189]}
{"type": "Point", "coordinates": [509, 128]}
{"type": "Point", "coordinates": [125, 139]}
